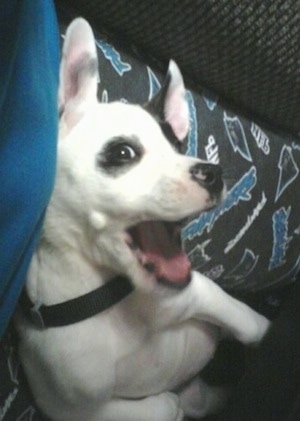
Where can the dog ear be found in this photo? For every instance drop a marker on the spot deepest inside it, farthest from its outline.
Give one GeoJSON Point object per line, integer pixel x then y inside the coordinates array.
{"type": "Point", "coordinates": [78, 71]}
{"type": "Point", "coordinates": [169, 105]}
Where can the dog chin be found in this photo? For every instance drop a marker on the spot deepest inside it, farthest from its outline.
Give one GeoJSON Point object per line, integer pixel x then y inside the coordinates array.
{"type": "Point", "coordinates": [175, 285]}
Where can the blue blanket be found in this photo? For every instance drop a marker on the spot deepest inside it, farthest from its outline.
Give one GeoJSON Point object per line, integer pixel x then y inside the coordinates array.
{"type": "Point", "coordinates": [29, 58]}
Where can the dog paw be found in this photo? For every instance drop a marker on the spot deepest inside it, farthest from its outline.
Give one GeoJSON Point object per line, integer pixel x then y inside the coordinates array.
{"type": "Point", "coordinates": [197, 399]}
{"type": "Point", "coordinates": [166, 407]}
{"type": "Point", "coordinates": [256, 330]}
{"type": "Point", "coordinates": [264, 325]}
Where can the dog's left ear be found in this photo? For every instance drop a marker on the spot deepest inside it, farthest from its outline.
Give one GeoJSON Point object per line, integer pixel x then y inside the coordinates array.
{"type": "Point", "coordinates": [169, 105]}
{"type": "Point", "coordinates": [78, 71]}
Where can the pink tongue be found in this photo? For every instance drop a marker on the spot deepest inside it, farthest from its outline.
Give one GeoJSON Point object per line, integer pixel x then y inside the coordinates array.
{"type": "Point", "coordinates": [161, 248]}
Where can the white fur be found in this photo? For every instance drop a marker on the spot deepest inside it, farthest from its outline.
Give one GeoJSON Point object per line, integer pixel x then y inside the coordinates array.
{"type": "Point", "coordinates": [130, 362]}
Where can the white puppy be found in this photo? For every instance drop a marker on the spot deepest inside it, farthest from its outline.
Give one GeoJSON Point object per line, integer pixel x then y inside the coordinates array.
{"type": "Point", "coordinates": [121, 193]}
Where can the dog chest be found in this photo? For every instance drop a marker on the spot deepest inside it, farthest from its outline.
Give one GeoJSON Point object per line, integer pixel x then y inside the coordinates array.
{"type": "Point", "coordinates": [166, 359]}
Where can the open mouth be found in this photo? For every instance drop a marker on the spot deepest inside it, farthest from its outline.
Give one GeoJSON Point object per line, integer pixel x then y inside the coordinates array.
{"type": "Point", "coordinates": [157, 246]}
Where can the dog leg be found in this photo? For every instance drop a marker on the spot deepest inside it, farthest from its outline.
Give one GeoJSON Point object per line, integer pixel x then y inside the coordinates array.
{"type": "Point", "coordinates": [197, 399]}
{"type": "Point", "coordinates": [162, 407]}
{"type": "Point", "coordinates": [204, 300]}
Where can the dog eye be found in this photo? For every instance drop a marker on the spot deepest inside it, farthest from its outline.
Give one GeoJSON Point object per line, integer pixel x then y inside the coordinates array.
{"type": "Point", "coordinates": [120, 152]}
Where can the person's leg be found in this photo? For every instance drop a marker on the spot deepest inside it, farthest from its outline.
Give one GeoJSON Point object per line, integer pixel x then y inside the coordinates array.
{"type": "Point", "coordinates": [29, 58]}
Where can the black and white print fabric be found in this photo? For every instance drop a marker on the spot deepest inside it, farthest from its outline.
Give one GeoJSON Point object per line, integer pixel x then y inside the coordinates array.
{"type": "Point", "coordinates": [252, 241]}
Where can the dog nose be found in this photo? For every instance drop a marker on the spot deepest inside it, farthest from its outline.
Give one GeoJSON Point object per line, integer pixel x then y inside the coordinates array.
{"type": "Point", "coordinates": [208, 176]}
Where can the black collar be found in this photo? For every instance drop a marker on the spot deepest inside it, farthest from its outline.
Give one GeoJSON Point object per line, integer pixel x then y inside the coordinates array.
{"type": "Point", "coordinates": [79, 308]}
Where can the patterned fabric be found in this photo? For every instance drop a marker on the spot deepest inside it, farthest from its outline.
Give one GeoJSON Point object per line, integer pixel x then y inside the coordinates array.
{"type": "Point", "coordinates": [16, 402]}
{"type": "Point", "coordinates": [247, 51]}
{"type": "Point", "coordinates": [251, 242]}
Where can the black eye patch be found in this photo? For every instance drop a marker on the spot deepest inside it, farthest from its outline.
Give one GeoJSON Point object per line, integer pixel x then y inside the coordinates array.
{"type": "Point", "coordinates": [119, 153]}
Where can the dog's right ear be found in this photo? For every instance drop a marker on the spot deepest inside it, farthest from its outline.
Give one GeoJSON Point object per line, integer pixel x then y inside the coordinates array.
{"type": "Point", "coordinates": [169, 106]}
{"type": "Point", "coordinates": [78, 72]}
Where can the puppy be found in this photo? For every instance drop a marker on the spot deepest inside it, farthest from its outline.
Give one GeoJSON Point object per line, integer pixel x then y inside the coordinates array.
{"type": "Point", "coordinates": [144, 325]}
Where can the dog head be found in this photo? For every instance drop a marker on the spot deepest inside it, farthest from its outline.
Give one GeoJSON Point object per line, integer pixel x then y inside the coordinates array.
{"type": "Point", "coordinates": [121, 180]}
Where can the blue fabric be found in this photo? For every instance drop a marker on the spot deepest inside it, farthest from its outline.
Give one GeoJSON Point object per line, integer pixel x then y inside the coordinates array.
{"type": "Point", "coordinates": [29, 59]}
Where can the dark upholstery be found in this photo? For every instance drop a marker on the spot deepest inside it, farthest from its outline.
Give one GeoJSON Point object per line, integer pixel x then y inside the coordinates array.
{"type": "Point", "coordinates": [246, 51]}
